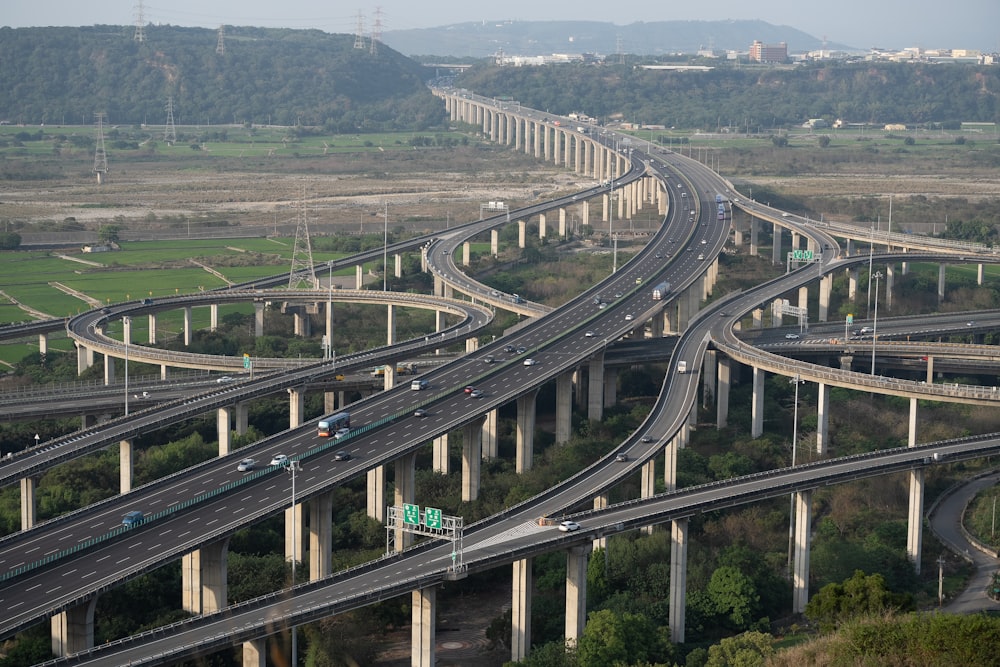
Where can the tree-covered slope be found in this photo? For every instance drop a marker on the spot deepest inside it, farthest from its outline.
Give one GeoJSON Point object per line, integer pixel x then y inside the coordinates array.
{"type": "Point", "coordinates": [283, 77]}
{"type": "Point", "coordinates": [752, 98]}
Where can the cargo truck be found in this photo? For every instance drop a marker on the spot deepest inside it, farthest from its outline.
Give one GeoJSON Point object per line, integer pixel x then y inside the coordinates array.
{"type": "Point", "coordinates": [682, 367]}
{"type": "Point", "coordinates": [660, 291]}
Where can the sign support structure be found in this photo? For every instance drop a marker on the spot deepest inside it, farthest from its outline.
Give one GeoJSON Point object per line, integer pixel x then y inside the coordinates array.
{"type": "Point", "coordinates": [428, 522]}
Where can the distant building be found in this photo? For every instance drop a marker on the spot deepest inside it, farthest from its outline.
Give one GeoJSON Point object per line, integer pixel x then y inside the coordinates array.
{"type": "Point", "coordinates": [894, 127]}
{"type": "Point", "coordinates": [768, 53]}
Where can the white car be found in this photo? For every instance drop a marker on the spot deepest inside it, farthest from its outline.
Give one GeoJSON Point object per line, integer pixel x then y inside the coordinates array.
{"type": "Point", "coordinates": [589, 334]}
{"type": "Point", "coordinates": [569, 526]}
{"type": "Point", "coordinates": [530, 362]}
{"type": "Point", "coordinates": [278, 460]}
{"type": "Point", "coordinates": [791, 336]}
{"type": "Point", "coordinates": [246, 465]}
{"type": "Point", "coordinates": [225, 379]}
{"type": "Point", "coordinates": [629, 317]}
{"type": "Point", "coordinates": [341, 432]}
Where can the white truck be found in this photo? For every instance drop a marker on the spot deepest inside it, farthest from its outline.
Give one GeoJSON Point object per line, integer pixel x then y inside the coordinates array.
{"type": "Point", "coordinates": [682, 366]}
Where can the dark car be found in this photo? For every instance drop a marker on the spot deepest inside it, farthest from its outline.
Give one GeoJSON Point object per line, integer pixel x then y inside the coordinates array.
{"type": "Point", "coordinates": [508, 349]}
{"type": "Point", "coordinates": [420, 412]}
{"type": "Point", "coordinates": [342, 456]}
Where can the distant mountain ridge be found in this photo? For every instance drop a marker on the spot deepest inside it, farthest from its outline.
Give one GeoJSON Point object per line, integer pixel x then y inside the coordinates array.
{"type": "Point", "coordinates": [537, 38]}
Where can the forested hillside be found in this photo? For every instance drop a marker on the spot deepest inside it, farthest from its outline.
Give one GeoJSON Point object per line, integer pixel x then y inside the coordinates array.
{"type": "Point", "coordinates": [282, 77]}
{"type": "Point", "coordinates": [753, 99]}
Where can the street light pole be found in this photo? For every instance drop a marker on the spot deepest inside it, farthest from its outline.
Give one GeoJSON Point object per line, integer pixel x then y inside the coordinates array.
{"type": "Point", "coordinates": [877, 276]}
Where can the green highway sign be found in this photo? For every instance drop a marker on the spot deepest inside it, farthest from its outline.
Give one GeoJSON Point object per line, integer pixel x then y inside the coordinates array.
{"type": "Point", "coordinates": [411, 514]}
{"type": "Point", "coordinates": [432, 517]}
{"type": "Point", "coordinates": [802, 255]}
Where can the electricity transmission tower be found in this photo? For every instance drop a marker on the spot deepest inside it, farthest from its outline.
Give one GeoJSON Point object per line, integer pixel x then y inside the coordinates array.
{"type": "Point", "coordinates": [303, 270]}
{"type": "Point", "coordinates": [376, 31]}
{"type": "Point", "coordinates": [169, 131]}
{"type": "Point", "coordinates": [359, 37]}
{"type": "Point", "coordinates": [220, 46]}
{"type": "Point", "coordinates": [140, 20]}
{"type": "Point", "coordinates": [100, 156]}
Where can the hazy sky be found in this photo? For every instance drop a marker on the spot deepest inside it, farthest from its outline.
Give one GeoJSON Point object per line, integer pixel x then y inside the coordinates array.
{"type": "Point", "coordinates": [971, 24]}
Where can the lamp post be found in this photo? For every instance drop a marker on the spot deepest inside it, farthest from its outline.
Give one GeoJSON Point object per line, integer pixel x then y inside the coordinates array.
{"type": "Point", "coordinates": [877, 277]}
{"type": "Point", "coordinates": [126, 334]}
{"type": "Point", "coordinates": [293, 466]}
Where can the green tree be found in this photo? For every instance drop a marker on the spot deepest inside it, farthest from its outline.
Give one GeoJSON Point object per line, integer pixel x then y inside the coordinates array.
{"type": "Point", "coordinates": [734, 597]}
{"type": "Point", "coordinates": [750, 649]}
{"type": "Point", "coordinates": [610, 639]}
{"type": "Point", "coordinates": [10, 241]}
{"type": "Point", "coordinates": [108, 233]}
{"type": "Point", "coordinates": [860, 595]}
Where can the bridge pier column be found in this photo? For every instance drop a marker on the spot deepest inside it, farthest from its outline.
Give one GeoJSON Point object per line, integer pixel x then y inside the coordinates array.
{"type": "Point", "coordinates": [442, 465]}
{"type": "Point", "coordinates": [822, 418]}
{"type": "Point", "coordinates": [754, 236]}
{"type": "Point", "coordinates": [376, 494]}
{"type": "Point", "coordinates": [295, 545]}
{"type": "Point", "coordinates": [647, 486]}
{"type": "Point", "coordinates": [915, 515]}
{"type": "Point", "coordinates": [321, 536]}
{"type": "Point", "coordinates": [223, 420]}
{"type": "Point", "coordinates": [542, 229]}
{"type": "Point", "coordinates": [466, 253]}
{"type": "Point", "coordinates": [576, 592]}
{"type": "Point", "coordinates": [152, 328]}
{"type": "Point", "coordinates": [255, 653]}
{"type": "Point", "coordinates": [525, 431]}
{"type": "Point", "coordinates": [390, 328]}
{"type": "Point", "coordinates": [109, 370]}
{"type": "Point", "coordinates": [187, 326]}
{"type": "Point", "coordinates": [979, 274]}
{"type": "Point", "coordinates": [213, 316]}
{"type": "Point", "coordinates": [522, 233]}
{"type": "Point", "coordinates": [610, 386]}
{"type": "Point", "coordinates": [722, 396]}
{"type": "Point", "coordinates": [757, 403]}
{"type": "Point", "coordinates": [423, 604]}
{"type": "Point", "coordinates": [776, 247]}
{"type": "Point", "coordinates": [708, 377]}
{"type": "Point", "coordinates": [595, 387]}
{"type": "Point", "coordinates": [803, 534]}
{"type": "Point", "coordinates": [490, 435]}
{"type": "Point", "coordinates": [359, 276]}
{"type": "Point", "coordinates": [600, 502]}
{"type": "Point", "coordinates": [84, 358]}
{"type": "Point", "coordinates": [852, 284]}
{"type": "Point", "coordinates": [564, 407]}
{"type": "Point", "coordinates": [28, 502]}
{"type": "Point", "coordinates": [125, 467]}
{"type": "Point", "coordinates": [495, 242]}
{"type": "Point", "coordinates": [258, 319]}
{"type": "Point", "coordinates": [43, 343]}
{"type": "Point", "coordinates": [670, 464]}
{"type": "Point", "coordinates": [203, 578]}
{"type": "Point", "coordinates": [405, 482]}
{"type": "Point", "coordinates": [72, 630]}
{"type": "Point", "coordinates": [296, 406]}
{"type": "Point", "coordinates": [678, 579]}
{"type": "Point", "coordinates": [472, 456]}
{"type": "Point", "coordinates": [941, 283]}
{"type": "Point", "coordinates": [242, 418]}
{"type": "Point", "coordinates": [825, 288]}
{"type": "Point", "coordinates": [520, 621]}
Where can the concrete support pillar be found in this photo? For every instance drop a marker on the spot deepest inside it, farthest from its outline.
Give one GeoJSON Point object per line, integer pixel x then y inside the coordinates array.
{"type": "Point", "coordinates": [754, 236]}
{"type": "Point", "coordinates": [800, 565]}
{"type": "Point", "coordinates": [152, 328]}
{"type": "Point", "coordinates": [823, 419]}
{"type": "Point", "coordinates": [301, 322]}
{"type": "Point", "coordinates": [125, 467]}
{"type": "Point", "coordinates": [670, 464]}
{"type": "Point", "coordinates": [562, 223]}
{"type": "Point", "coordinates": [471, 344]}
{"type": "Point", "coordinates": [258, 319]}
{"type": "Point", "coordinates": [757, 403]}
{"type": "Point", "coordinates": [825, 288]}
{"type": "Point", "coordinates": [204, 587]}
{"type": "Point", "coordinates": [72, 630]}
{"type": "Point", "coordinates": [564, 407]}
{"type": "Point", "coordinates": [890, 280]}
{"type": "Point", "coordinates": [610, 386]}
{"type": "Point", "coordinates": [776, 247]}
{"type": "Point", "coordinates": [109, 370]}
{"type": "Point", "coordinates": [213, 316]}
{"type": "Point", "coordinates": [600, 502]}
{"type": "Point", "coordinates": [84, 358]}
{"type": "Point", "coordinates": [722, 395]}
{"type": "Point", "coordinates": [576, 593]}
{"type": "Point", "coordinates": [595, 387]}
{"type": "Point", "coordinates": [541, 226]}
{"type": "Point", "coordinates": [359, 276]}
{"type": "Point", "coordinates": [852, 284]}
{"type": "Point", "coordinates": [940, 283]}
{"type": "Point", "coordinates": [495, 242]}
{"type": "Point", "coordinates": [295, 547]}
{"type": "Point", "coordinates": [390, 328]}
{"type": "Point", "coordinates": [525, 431]}
{"type": "Point", "coordinates": [187, 326]}
{"type": "Point", "coordinates": [255, 653]}
{"type": "Point", "coordinates": [405, 483]}
{"type": "Point", "coordinates": [708, 377]}
{"type": "Point", "coordinates": [223, 427]}
{"type": "Point", "coordinates": [296, 406]}
{"type": "Point", "coordinates": [423, 622]}
{"type": "Point", "coordinates": [490, 436]}
{"type": "Point", "coordinates": [466, 253]}
{"type": "Point", "coordinates": [979, 275]}
{"type": "Point", "coordinates": [472, 456]}
{"type": "Point", "coordinates": [321, 536]}
{"type": "Point", "coordinates": [28, 503]}
{"type": "Point", "coordinates": [678, 579]}
{"type": "Point", "coordinates": [521, 592]}
{"type": "Point", "coordinates": [441, 462]}
{"type": "Point", "coordinates": [376, 494]}
{"type": "Point", "coordinates": [522, 234]}
{"type": "Point", "coordinates": [242, 418]}
{"type": "Point", "coordinates": [915, 519]}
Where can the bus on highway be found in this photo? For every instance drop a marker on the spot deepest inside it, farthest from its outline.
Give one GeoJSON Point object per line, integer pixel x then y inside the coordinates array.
{"type": "Point", "coordinates": [329, 425]}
